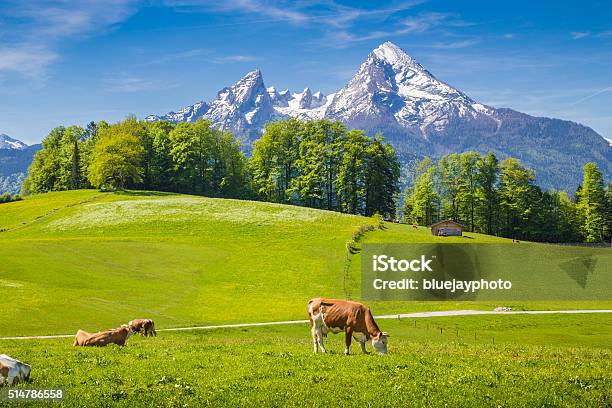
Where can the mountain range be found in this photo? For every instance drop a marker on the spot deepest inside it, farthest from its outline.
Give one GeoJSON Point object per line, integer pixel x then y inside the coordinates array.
{"type": "Point", "coordinates": [15, 158]}
{"type": "Point", "coordinates": [420, 115]}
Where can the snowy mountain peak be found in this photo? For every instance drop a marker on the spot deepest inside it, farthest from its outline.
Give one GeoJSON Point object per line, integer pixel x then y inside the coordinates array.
{"type": "Point", "coordinates": [395, 56]}
{"type": "Point", "coordinates": [392, 90]}
{"type": "Point", "coordinates": [243, 90]}
{"type": "Point", "coordinates": [305, 99]}
{"type": "Point", "coordinates": [7, 142]}
{"type": "Point", "coordinates": [394, 94]}
{"type": "Point", "coordinates": [244, 107]}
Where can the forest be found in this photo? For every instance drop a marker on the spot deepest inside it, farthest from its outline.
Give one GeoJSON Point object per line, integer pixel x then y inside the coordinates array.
{"type": "Point", "coordinates": [502, 198]}
{"type": "Point", "coordinates": [321, 164]}
{"type": "Point", "coordinates": [317, 164]}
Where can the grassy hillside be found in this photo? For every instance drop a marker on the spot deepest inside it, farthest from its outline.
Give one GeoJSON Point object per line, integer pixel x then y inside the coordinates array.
{"type": "Point", "coordinates": [91, 260]}
{"type": "Point", "coordinates": [534, 361]}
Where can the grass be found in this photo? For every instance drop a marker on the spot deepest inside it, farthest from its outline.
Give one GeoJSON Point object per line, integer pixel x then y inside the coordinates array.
{"type": "Point", "coordinates": [535, 361]}
{"type": "Point", "coordinates": [90, 260]}
{"type": "Point", "coordinates": [177, 259]}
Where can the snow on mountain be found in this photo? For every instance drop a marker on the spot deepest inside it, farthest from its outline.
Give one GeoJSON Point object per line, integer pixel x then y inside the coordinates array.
{"type": "Point", "coordinates": [304, 105]}
{"type": "Point", "coordinates": [419, 114]}
{"type": "Point", "coordinates": [244, 108]}
{"type": "Point", "coordinates": [393, 90]}
{"type": "Point", "coordinates": [7, 142]}
{"type": "Point", "coordinates": [188, 114]}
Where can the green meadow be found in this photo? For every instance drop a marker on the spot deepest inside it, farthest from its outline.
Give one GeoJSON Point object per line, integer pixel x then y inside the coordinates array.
{"type": "Point", "coordinates": [501, 361]}
{"type": "Point", "coordinates": [91, 260]}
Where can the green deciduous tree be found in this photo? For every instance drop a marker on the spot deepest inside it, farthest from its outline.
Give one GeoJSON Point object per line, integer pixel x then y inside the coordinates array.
{"type": "Point", "coordinates": [117, 156]}
{"type": "Point", "coordinates": [516, 190]}
{"type": "Point", "coordinates": [468, 188]}
{"type": "Point", "coordinates": [486, 181]}
{"type": "Point", "coordinates": [424, 196]}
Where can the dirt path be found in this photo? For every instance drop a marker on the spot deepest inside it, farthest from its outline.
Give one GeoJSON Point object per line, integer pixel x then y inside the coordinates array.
{"type": "Point", "coordinates": [394, 316]}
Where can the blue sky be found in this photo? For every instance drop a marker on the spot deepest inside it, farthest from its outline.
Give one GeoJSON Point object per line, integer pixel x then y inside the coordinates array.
{"type": "Point", "coordinates": [70, 62]}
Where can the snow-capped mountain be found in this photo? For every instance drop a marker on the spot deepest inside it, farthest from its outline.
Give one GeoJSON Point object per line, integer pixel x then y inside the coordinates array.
{"type": "Point", "coordinates": [7, 142]}
{"type": "Point", "coordinates": [420, 115]}
{"type": "Point", "coordinates": [392, 90]}
{"type": "Point", "coordinates": [244, 108]}
{"type": "Point", "coordinates": [304, 105]}
{"type": "Point", "coordinates": [15, 158]}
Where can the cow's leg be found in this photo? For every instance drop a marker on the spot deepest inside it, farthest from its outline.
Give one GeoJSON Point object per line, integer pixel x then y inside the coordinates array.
{"type": "Point", "coordinates": [348, 337]}
{"type": "Point", "coordinates": [362, 341]}
{"type": "Point", "coordinates": [313, 331]}
{"type": "Point", "coordinates": [363, 348]}
{"type": "Point", "coordinates": [317, 322]}
{"type": "Point", "coordinates": [320, 336]}
{"type": "Point", "coordinates": [13, 377]}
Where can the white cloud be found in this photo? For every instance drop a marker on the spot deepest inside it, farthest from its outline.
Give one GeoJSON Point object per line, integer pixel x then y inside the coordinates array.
{"type": "Point", "coordinates": [414, 25]}
{"type": "Point", "coordinates": [38, 28]}
{"type": "Point", "coordinates": [201, 54]}
{"type": "Point", "coordinates": [457, 44]}
{"type": "Point", "coordinates": [329, 13]}
{"type": "Point", "coordinates": [234, 58]}
{"type": "Point", "coordinates": [577, 35]}
{"type": "Point", "coordinates": [124, 82]}
{"type": "Point", "coordinates": [422, 22]}
{"type": "Point", "coordinates": [27, 59]}
{"type": "Point", "coordinates": [274, 10]}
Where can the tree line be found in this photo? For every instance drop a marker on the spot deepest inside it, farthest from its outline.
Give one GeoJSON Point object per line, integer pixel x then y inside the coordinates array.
{"type": "Point", "coordinates": [320, 164]}
{"type": "Point", "coordinates": [502, 199]}
{"type": "Point", "coordinates": [187, 158]}
{"type": "Point", "coordinates": [315, 163]}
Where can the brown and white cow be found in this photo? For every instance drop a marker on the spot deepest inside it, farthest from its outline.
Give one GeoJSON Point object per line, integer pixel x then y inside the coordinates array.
{"type": "Point", "coordinates": [117, 336]}
{"type": "Point", "coordinates": [355, 319]}
{"type": "Point", "coordinates": [146, 327]}
{"type": "Point", "coordinates": [13, 371]}
{"type": "Point", "coordinates": [81, 336]}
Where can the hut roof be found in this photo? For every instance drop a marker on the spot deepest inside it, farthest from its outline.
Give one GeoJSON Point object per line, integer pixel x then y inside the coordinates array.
{"type": "Point", "coordinates": [445, 221]}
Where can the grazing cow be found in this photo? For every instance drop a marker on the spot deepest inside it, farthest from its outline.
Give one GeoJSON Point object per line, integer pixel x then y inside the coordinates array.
{"type": "Point", "coordinates": [118, 336]}
{"type": "Point", "coordinates": [355, 319]}
{"type": "Point", "coordinates": [146, 327]}
{"type": "Point", "coordinates": [13, 371]}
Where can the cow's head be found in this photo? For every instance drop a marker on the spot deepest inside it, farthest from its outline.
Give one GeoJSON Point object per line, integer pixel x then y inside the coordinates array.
{"type": "Point", "coordinates": [129, 330]}
{"type": "Point", "coordinates": [379, 342]}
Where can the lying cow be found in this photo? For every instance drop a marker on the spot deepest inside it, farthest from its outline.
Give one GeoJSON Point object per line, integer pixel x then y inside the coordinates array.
{"type": "Point", "coordinates": [355, 319]}
{"type": "Point", "coordinates": [146, 327]}
{"type": "Point", "coordinates": [13, 371]}
{"type": "Point", "coordinates": [81, 336]}
{"type": "Point", "coordinates": [117, 336]}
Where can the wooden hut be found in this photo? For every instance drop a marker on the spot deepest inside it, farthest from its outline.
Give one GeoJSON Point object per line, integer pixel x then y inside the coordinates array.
{"type": "Point", "coordinates": [447, 228]}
